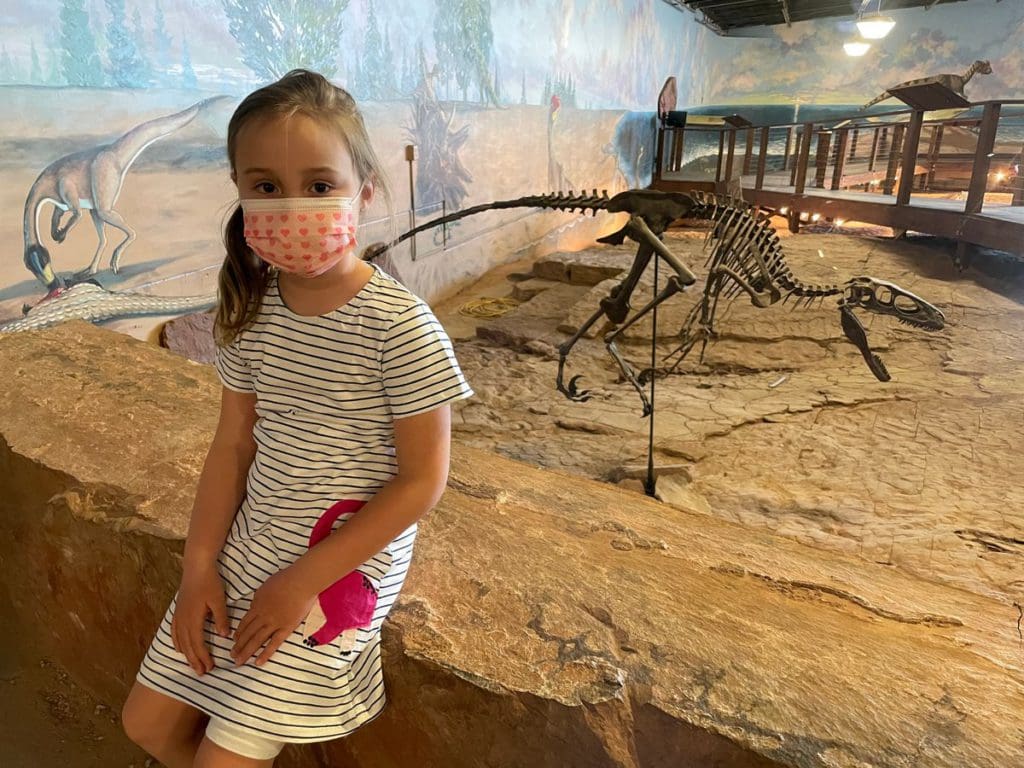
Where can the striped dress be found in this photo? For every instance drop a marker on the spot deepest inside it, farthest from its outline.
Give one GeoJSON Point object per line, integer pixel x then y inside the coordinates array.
{"type": "Point", "coordinates": [328, 389]}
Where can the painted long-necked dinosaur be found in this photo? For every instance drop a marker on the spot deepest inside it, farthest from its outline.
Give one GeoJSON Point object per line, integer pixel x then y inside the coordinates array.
{"type": "Point", "coordinates": [954, 82]}
{"type": "Point", "coordinates": [91, 179]}
{"type": "Point", "coordinates": [746, 256]}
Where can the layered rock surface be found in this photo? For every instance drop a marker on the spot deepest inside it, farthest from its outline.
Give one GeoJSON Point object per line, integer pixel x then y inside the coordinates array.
{"type": "Point", "coordinates": [782, 427]}
{"type": "Point", "coordinates": [548, 620]}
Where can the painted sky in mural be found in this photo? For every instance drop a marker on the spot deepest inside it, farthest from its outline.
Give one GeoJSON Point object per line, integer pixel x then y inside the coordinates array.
{"type": "Point", "coordinates": [531, 40]}
{"type": "Point", "coordinates": [806, 62]}
{"type": "Point", "coordinates": [511, 98]}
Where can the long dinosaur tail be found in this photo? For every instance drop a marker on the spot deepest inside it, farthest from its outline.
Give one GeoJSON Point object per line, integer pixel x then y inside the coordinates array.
{"type": "Point", "coordinates": [30, 223]}
{"type": "Point", "coordinates": [556, 202]}
{"type": "Point", "coordinates": [128, 147]}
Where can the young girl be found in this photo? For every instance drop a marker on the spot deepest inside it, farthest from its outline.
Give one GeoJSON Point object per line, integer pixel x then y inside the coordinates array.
{"type": "Point", "coordinates": [333, 441]}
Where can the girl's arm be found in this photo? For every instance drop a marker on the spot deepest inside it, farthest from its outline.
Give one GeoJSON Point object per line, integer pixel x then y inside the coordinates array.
{"type": "Point", "coordinates": [221, 488]}
{"type": "Point", "coordinates": [222, 482]}
{"type": "Point", "coordinates": [422, 449]}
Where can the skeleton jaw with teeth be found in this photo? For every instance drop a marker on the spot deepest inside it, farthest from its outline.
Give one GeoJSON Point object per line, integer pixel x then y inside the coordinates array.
{"type": "Point", "coordinates": [883, 298]}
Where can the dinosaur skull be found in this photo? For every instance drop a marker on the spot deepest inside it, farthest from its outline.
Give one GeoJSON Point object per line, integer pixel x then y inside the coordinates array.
{"type": "Point", "coordinates": [883, 298]}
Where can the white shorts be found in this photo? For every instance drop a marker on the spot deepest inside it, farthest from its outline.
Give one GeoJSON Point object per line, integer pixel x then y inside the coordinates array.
{"type": "Point", "coordinates": [242, 742]}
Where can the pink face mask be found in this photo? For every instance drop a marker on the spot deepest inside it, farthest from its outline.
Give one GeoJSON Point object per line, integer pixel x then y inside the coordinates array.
{"type": "Point", "coordinates": [303, 235]}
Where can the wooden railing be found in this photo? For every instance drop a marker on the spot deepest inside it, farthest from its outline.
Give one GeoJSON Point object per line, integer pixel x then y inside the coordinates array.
{"type": "Point", "coordinates": [892, 153]}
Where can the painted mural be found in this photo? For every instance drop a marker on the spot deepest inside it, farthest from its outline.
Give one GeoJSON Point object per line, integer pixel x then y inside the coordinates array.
{"type": "Point", "coordinates": [115, 114]}
{"type": "Point", "coordinates": [805, 63]}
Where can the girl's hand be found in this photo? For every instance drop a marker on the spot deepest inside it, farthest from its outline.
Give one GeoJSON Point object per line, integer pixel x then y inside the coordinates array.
{"type": "Point", "coordinates": [201, 594]}
{"type": "Point", "coordinates": [277, 608]}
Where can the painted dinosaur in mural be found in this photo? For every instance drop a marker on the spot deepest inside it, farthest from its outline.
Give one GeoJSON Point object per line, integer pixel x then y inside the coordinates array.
{"type": "Point", "coordinates": [91, 179]}
{"type": "Point", "coordinates": [746, 257]}
{"type": "Point", "coordinates": [954, 82]}
{"type": "Point", "coordinates": [89, 301]}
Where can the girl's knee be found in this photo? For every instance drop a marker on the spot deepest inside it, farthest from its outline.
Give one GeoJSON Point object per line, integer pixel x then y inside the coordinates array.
{"type": "Point", "coordinates": [152, 720]}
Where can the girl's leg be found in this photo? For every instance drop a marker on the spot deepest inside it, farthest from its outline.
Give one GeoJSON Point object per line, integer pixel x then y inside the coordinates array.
{"type": "Point", "coordinates": [212, 755]}
{"type": "Point", "coordinates": [166, 728]}
{"type": "Point", "coordinates": [227, 746]}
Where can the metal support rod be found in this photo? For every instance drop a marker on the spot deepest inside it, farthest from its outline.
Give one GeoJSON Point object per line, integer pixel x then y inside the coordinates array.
{"type": "Point", "coordinates": [410, 157]}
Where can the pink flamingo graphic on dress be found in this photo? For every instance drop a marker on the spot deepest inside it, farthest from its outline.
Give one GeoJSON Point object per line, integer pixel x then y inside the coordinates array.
{"type": "Point", "coordinates": [350, 601]}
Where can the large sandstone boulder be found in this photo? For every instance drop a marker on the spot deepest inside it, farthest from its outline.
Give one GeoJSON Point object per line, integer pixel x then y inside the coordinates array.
{"type": "Point", "coordinates": [547, 621]}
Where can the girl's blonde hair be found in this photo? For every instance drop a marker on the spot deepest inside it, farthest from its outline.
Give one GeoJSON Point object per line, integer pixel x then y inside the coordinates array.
{"type": "Point", "coordinates": [244, 276]}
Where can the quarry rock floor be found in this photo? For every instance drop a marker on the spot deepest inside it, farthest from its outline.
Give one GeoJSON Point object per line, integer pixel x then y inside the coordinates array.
{"type": "Point", "coordinates": [782, 426]}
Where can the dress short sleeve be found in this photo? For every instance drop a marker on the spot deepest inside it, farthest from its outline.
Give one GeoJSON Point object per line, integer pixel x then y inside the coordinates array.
{"type": "Point", "coordinates": [418, 365]}
{"type": "Point", "coordinates": [233, 368]}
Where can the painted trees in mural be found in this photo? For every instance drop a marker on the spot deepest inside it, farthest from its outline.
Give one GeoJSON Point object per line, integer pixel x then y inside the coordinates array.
{"type": "Point", "coordinates": [275, 37]}
{"type": "Point", "coordinates": [464, 42]}
{"type": "Point", "coordinates": [127, 69]}
{"type": "Point", "coordinates": [80, 57]}
{"type": "Point", "coordinates": [374, 76]}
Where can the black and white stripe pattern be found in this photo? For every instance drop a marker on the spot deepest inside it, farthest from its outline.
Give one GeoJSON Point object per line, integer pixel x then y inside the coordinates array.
{"type": "Point", "coordinates": [328, 390]}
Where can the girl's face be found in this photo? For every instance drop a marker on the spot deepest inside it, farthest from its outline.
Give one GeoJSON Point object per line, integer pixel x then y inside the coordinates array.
{"type": "Point", "coordinates": [295, 157]}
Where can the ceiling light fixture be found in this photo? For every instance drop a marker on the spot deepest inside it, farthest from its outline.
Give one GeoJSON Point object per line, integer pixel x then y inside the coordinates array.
{"type": "Point", "coordinates": [876, 26]}
{"type": "Point", "coordinates": [856, 47]}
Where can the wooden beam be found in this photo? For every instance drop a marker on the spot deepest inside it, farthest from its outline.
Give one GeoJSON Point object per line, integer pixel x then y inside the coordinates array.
{"type": "Point", "coordinates": [721, 148]}
{"type": "Point", "coordinates": [804, 156]}
{"type": "Point", "coordinates": [837, 172]}
{"type": "Point", "coordinates": [789, 147]}
{"type": "Point", "coordinates": [821, 159]}
{"type": "Point", "coordinates": [982, 161]}
{"type": "Point", "coordinates": [894, 159]}
{"type": "Point", "coordinates": [762, 158]}
{"type": "Point", "coordinates": [748, 154]}
{"type": "Point", "coordinates": [730, 157]}
{"type": "Point", "coordinates": [911, 144]}
{"type": "Point", "coordinates": [933, 154]}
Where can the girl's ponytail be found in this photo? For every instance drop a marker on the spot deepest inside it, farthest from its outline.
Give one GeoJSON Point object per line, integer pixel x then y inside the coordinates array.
{"type": "Point", "coordinates": [241, 284]}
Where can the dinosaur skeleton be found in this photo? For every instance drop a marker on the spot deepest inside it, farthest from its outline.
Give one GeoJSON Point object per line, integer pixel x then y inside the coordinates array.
{"type": "Point", "coordinates": [745, 256]}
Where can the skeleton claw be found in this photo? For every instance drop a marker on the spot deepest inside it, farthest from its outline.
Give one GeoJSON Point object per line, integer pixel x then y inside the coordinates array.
{"type": "Point", "coordinates": [574, 394]}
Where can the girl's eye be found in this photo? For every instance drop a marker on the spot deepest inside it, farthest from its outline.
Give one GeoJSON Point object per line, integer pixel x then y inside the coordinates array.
{"type": "Point", "coordinates": [266, 188]}
{"type": "Point", "coordinates": [321, 187]}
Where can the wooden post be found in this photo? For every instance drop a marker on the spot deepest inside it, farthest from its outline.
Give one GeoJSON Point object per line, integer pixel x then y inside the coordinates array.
{"type": "Point", "coordinates": [731, 155]}
{"type": "Point", "coordinates": [801, 162]}
{"type": "Point", "coordinates": [789, 145]}
{"type": "Point", "coordinates": [749, 151]}
{"type": "Point", "coordinates": [837, 172]}
{"type": "Point", "coordinates": [762, 158]}
{"type": "Point", "coordinates": [678, 144]}
{"type": "Point", "coordinates": [821, 159]}
{"type": "Point", "coordinates": [889, 183]}
{"type": "Point", "coordinates": [796, 154]}
{"type": "Point", "coordinates": [874, 150]}
{"type": "Point", "coordinates": [853, 144]}
{"type": "Point", "coordinates": [933, 154]}
{"type": "Point", "coordinates": [911, 144]}
{"type": "Point", "coordinates": [721, 149]}
{"type": "Point", "coordinates": [982, 161]}
{"type": "Point", "coordinates": [1018, 181]}
{"type": "Point", "coordinates": [658, 154]}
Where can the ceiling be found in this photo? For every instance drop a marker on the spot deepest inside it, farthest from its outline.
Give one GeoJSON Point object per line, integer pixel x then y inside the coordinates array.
{"type": "Point", "coordinates": [724, 16]}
